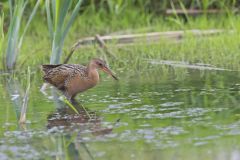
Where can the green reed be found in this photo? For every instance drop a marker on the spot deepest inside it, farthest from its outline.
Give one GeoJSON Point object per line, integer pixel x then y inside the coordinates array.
{"type": "Point", "coordinates": [14, 35]}
{"type": "Point", "coordinates": [57, 11]}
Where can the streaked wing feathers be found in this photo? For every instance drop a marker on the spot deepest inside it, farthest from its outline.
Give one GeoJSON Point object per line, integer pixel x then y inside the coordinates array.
{"type": "Point", "coordinates": [58, 74]}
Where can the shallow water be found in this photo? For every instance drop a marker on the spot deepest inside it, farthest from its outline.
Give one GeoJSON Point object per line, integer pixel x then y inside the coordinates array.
{"type": "Point", "coordinates": [177, 114]}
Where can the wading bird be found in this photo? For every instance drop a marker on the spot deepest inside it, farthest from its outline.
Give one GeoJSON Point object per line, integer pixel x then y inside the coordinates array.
{"type": "Point", "coordinates": [72, 79]}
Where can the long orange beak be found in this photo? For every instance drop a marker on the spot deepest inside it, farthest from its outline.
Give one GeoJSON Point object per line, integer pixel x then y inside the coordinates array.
{"type": "Point", "coordinates": [108, 71]}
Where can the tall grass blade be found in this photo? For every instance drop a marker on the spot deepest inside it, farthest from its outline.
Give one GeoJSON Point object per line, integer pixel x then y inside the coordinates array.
{"type": "Point", "coordinates": [184, 10]}
{"type": "Point", "coordinates": [25, 99]}
{"type": "Point", "coordinates": [14, 43]}
{"type": "Point", "coordinates": [1, 32]}
{"type": "Point", "coordinates": [15, 91]}
{"type": "Point", "coordinates": [60, 27]}
{"type": "Point", "coordinates": [53, 10]}
{"type": "Point", "coordinates": [176, 20]}
{"type": "Point", "coordinates": [64, 7]}
{"type": "Point", "coordinates": [61, 12]}
{"type": "Point", "coordinates": [28, 22]}
{"type": "Point", "coordinates": [70, 105]}
{"type": "Point", "coordinates": [13, 34]}
{"type": "Point", "coordinates": [11, 9]}
{"type": "Point", "coordinates": [73, 16]}
{"type": "Point", "coordinates": [56, 11]}
{"type": "Point", "coordinates": [49, 19]}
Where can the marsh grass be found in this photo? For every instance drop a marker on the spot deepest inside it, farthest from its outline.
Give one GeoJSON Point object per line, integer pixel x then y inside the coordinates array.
{"type": "Point", "coordinates": [58, 26]}
{"type": "Point", "coordinates": [14, 35]}
{"type": "Point", "coordinates": [1, 34]}
{"type": "Point", "coordinates": [220, 50]}
{"type": "Point", "coordinates": [25, 99]}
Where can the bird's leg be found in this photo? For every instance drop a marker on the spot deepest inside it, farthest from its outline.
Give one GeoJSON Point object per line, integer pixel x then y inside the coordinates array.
{"type": "Point", "coordinates": [74, 102]}
{"type": "Point", "coordinates": [69, 97]}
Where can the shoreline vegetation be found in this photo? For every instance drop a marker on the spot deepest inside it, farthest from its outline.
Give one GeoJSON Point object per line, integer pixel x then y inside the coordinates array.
{"type": "Point", "coordinates": [221, 50]}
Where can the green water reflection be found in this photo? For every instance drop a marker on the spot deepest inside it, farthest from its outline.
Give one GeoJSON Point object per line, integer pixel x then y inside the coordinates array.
{"type": "Point", "coordinates": [184, 114]}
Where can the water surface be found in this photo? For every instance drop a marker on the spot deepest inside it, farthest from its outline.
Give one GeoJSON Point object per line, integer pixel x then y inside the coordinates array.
{"type": "Point", "coordinates": [174, 114]}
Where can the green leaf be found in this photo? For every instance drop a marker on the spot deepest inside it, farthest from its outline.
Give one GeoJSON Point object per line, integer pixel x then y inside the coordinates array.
{"type": "Point", "coordinates": [49, 18]}
{"type": "Point", "coordinates": [28, 22]}
{"type": "Point", "coordinates": [59, 29]}
{"type": "Point", "coordinates": [73, 16]}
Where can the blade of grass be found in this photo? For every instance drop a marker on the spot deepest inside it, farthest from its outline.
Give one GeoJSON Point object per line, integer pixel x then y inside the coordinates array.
{"type": "Point", "coordinates": [49, 19]}
{"type": "Point", "coordinates": [176, 20]}
{"type": "Point", "coordinates": [14, 90]}
{"type": "Point", "coordinates": [60, 27]}
{"type": "Point", "coordinates": [14, 42]}
{"type": "Point", "coordinates": [184, 10]}
{"type": "Point", "coordinates": [1, 32]}
{"type": "Point", "coordinates": [13, 34]}
{"type": "Point", "coordinates": [74, 109]}
{"type": "Point", "coordinates": [64, 7]}
{"type": "Point", "coordinates": [25, 99]}
{"type": "Point", "coordinates": [56, 13]}
{"type": "Point", "coordinates": [70, 105]}
{"type": "Point", "coordinates": [28, 22]}
{"type": "Point", "coordinates": [10, 9]}
{"type": "Point", "coordinates": [73, 16]}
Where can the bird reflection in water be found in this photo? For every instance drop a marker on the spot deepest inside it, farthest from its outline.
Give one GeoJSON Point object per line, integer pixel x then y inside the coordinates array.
{"type": "Point", "coordinates": [75, 126]}
{"type": "Point", "coordinates": [67, 118]}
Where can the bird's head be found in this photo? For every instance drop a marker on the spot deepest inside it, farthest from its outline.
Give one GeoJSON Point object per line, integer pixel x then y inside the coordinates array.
{"type": "Point", "coordinates": [102, 65]}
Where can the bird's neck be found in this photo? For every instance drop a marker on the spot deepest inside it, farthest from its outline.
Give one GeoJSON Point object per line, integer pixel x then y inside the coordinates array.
{"type": "Point", "coordinates": [92, 72]}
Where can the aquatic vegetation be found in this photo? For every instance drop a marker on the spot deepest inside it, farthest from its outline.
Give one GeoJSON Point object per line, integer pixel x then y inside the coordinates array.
{"type": "Point", "coordinates": [58, 26]}
{"type": "Point", "coordinates": [14, 35]}
{"type": "Point", "coordinates": [25, 99]}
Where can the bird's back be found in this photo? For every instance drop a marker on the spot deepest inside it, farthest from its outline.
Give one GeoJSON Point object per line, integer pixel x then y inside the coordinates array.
{"type": "Point", "coordinates": [57, 75]}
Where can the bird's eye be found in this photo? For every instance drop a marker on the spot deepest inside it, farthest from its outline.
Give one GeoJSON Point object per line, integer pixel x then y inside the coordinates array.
{"type": "Point", "coordinates": [100, 64]}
